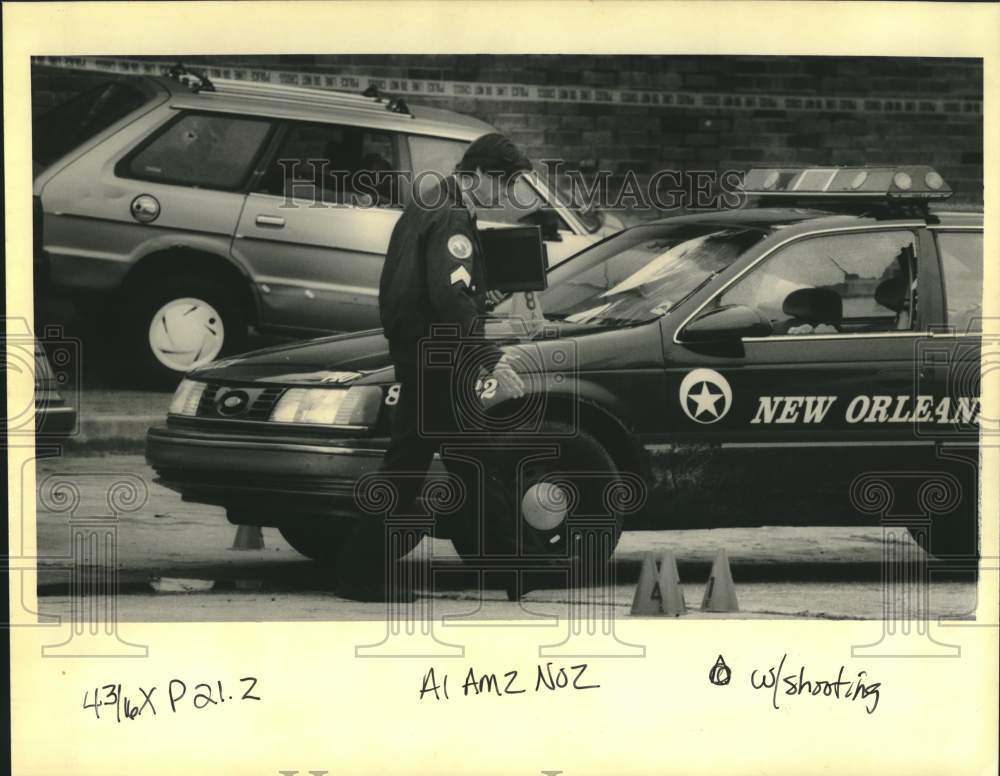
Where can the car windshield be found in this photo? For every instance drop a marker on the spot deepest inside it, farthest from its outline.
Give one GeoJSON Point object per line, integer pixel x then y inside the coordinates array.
{"type": "Point", "coordinates": [642, 273]}
{"type": "Point", "coordinates": [59, 131]}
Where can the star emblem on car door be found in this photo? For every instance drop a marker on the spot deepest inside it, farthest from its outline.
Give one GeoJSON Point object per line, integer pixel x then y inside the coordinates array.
{"type": "Point", "coordinates": [705, 401]}
{"type": "Point", "coordinates": [705, 395]}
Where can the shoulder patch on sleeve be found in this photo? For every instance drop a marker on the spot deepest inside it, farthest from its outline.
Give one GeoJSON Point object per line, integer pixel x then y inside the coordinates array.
{"type": "Point", "coordinates": [460, 246]}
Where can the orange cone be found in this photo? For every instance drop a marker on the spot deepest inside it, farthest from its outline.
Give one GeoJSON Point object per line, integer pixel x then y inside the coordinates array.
{"type": "Point", "coordinates": [647, 600]}
{"type": "Point", "coordinates": [248, 537]}
{"type": "Point", "coordinates": [720, 592]}
{"type": "Point", "coordinates": [671, 594]}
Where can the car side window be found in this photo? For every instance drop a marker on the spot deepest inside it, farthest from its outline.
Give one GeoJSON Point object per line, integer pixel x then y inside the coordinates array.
{"type": "Point", "coordinates": [436, 155]}
{"type": "Point", "coordinates": [212, 151]}
{"type": "Point", "coordinates": [962, 266]}
{"type": "Point", "coordinates": [334, 163]}
{"type": "Point", "coordinates": [854, 283]}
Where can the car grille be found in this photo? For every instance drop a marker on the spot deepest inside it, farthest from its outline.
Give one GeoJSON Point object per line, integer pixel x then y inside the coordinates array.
{"type": "Point", "coordinates": [258, 406]}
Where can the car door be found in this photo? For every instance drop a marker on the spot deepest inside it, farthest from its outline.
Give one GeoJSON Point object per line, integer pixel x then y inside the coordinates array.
{"type": "Point", "coordinates": [847, 309]}
{"type": "Point", "coordinates": [316, 226]}
{"type": "Point", "coordinates": [954, 351]}
{"type": "Point", "coordinates": [952, 355]}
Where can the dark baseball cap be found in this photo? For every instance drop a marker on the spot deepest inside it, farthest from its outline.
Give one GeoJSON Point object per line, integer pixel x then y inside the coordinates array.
{"type": "Point", "coordinates": [493, 153]}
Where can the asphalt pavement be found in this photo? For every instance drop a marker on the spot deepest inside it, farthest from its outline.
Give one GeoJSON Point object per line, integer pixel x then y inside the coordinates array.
{"type": "Point", "coordinates": [175, 562]}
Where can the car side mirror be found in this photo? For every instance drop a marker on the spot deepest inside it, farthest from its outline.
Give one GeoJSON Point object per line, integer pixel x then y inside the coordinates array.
{"type": "Point", "coordinates": [731, 322]}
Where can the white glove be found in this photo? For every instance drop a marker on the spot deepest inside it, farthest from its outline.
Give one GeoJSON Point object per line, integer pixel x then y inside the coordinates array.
{"type": "Point", "coordinates": [509, 382]}
{"type": "Point", "coordinates": [493, 298]}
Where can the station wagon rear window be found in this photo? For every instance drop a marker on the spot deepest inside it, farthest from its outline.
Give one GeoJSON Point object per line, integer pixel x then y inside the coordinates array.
{"type": "Point", "coordinates": [60, 130]}
{"type": "Point", "coordinates": [203, 150]}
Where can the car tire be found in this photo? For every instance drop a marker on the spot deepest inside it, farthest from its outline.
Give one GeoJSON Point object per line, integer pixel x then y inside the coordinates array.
{"type": "Point", "coordinates": [949, 540]}
{"type": "Point", "coordinates": [952, 533]}
{"type": "Point", "coordinates": [176, 324]}
{"type": "Point", "coordinates": [575, 482]}
{"type": "Point", "coordinates": [318, 538]}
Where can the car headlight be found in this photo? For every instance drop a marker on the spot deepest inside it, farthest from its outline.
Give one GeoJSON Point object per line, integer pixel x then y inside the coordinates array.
{"type": "Point", "coordinates": [356, 406]}
{"type": "Point", "coordinates": [186, 397]}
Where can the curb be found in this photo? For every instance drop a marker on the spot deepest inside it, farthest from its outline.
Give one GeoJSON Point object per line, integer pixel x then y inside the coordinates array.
{"type": "Point", "coordinates": [111, 434]}
{"type": "Point", "coordinates": [299, 574]}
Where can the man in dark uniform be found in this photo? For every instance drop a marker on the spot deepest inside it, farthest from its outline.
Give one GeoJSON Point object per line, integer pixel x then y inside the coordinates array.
{"type": "Point", "coordinates": [433, 290]}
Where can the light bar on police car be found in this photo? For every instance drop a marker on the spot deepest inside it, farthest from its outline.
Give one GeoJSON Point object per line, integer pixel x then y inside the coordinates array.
{"type": "Point", "coordinates": [911, 182]}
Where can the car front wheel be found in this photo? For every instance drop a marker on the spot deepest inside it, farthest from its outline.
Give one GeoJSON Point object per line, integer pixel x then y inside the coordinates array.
{"type": "Point", "coordinates": [318, 538]}
{"type": "Point", "coordinates": [560, 512]}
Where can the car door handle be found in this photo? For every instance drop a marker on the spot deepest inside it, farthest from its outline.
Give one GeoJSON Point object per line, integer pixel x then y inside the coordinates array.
{"type": "Point", "coordinates": [275, 221]}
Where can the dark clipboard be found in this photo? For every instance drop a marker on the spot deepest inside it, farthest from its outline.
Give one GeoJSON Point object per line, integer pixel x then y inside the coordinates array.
{"type": "Point", "coordinates": [515, 258]}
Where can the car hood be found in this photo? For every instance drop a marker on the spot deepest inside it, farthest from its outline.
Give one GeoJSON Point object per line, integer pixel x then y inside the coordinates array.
{"type": "Point", "coordinates": [341, 358]}
{"type": "Point", "coordinates": [363, 357]}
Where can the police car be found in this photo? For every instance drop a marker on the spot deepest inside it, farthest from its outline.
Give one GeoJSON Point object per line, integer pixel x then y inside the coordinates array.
{"type": "Point", "coordinates": [810, 357]}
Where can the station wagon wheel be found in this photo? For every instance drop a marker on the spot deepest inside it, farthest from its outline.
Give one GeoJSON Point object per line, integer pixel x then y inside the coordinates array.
{"type": "Point", "coordinates": [185, 333]}
{"type": "Point", "coordinates": [534, 523]}
{"type": "Point", "coordinates": [178, 324]}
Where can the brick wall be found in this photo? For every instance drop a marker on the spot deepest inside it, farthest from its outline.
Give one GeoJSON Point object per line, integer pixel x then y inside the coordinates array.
{"type": "Point", "coordinates": [645, 138]}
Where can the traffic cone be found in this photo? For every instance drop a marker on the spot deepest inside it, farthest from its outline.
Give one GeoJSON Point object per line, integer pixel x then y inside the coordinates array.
{"type": "Point", "coordinates": [248, 537]}
{"type": "Point", "coordinates": [720, 592]}
{"type": "Point", "coordinates": [647, 600]}
{"type": "Point", "coordinates": [671, 594]}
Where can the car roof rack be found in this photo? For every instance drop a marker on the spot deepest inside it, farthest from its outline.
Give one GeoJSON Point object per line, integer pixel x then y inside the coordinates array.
{"type": "Point", "coordinates": [370, 99]}
{"type": "Point", "coordinates": [196, 81]}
